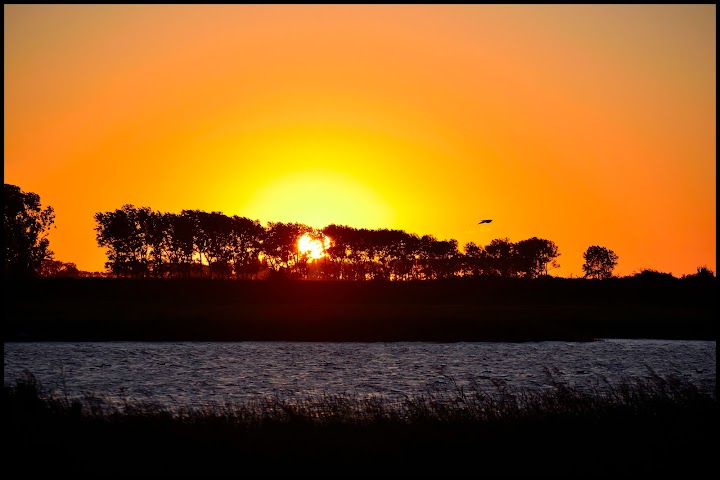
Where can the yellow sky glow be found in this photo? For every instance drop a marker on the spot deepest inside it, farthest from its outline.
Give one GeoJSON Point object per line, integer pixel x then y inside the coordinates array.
{"type": "Point", "coordinates": [582, 124]}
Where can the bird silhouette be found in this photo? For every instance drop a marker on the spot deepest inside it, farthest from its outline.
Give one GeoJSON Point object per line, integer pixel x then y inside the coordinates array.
{"type": "Point", "coordinates": [484, 221]}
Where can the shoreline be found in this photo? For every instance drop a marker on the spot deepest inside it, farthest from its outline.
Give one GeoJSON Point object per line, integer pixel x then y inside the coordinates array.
{"type": "Point", "coordinates": [657, 426]}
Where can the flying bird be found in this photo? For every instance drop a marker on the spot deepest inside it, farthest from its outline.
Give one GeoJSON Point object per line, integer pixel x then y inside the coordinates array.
{"type": "Point", "coordinates": [484, 221]}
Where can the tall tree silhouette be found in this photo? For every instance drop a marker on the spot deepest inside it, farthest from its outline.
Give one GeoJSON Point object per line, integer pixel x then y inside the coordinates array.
{"type": "Point", "coordinates": [475, 261]}
{"type": "Point", "coordinates": [501, 255]}
{"type": "Point", "coordinates": [247, 236]}
{"type": "Point", "coordinates": [599, 262]}
{"type": "Point", "coordinates": [214, 240]}
{"type": "Point", "coordinates": [155, 228]}
{"type": "Point", "coordinates": [439, 258]}
{"type": "Point", "coordinates": [124, 234]}
{"type": "Point", "coordinates": [342, 252]}
{"type": "Point", "coordinates": [25, 231]}
{"type": "Point", "coordinates": [179, 245]}
{"type": "Point", "coordinates": [534, 255]}
{"type": "Point", "coordinates": [280, 246]}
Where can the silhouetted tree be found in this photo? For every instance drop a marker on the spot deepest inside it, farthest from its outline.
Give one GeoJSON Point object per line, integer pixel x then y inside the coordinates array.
{"type": "Point", "coordinates": [599, 262]}
{"type": "Point", "coordinates": [201, 239]}
{"type": "Point", "coordinates": [439, 258]}
{"type": "Point", "coordinates": [214, 240]}
{"type": "Point", "coordinates": [365, 256]}
{"type": "Point", "coordinates": [280, 246]}
{"type": "Point", "coordinates": [391, 249]}
{"type": "Point", "coordinates": [123, 233]}
{"type": "Point", "coordinates": [56, 268]}
{"type": "Point", "coordinates": [156, 231]}
{"type": "Point", "coordinates": [534, 255]}
{"type": "Point", "coordinates": [141, 242]}
{"type": "Point", "coordinates": [475, 260]}
{"type": "Point", "coordinates": [501, 255]}
{"type": "Point", "coordinates": [247, 237]}
{"type": "Point", "coordinates": [341, 253]}
{"type": "Point", "coordinates": [26, 229]}
{"type": "Point", "coordinates": [179, 243]}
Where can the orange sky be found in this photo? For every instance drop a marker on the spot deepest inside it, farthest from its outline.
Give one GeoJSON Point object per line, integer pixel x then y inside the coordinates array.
{"type": "Point", "coordinates": [584, 125]}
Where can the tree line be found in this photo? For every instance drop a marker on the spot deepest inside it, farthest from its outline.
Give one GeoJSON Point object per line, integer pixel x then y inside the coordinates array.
{"type": "Point", "coordinates": [142, 243]}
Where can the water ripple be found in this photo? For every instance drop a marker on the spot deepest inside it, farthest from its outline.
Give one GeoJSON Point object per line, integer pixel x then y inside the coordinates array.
{"type": "Point", "coordinates": [200, 372]}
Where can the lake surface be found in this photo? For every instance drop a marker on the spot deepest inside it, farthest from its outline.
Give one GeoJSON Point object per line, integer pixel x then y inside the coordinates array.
{"type": "Point", "coordinates": [177, 374]}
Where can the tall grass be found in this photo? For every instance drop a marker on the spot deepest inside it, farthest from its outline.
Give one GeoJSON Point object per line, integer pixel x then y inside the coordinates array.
{"type": "Point", "coordinates": [446, 403]}
{"type": "Point", "coordinates": [658, 424]}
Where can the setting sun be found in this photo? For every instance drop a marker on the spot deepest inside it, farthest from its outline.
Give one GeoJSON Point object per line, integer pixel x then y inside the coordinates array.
{"type": "Point", "coordinates": [581, 124]}
{"type": "Point", "coordinates": [312, 247]}
{"type": "Point", "coordinates": [305, 235]}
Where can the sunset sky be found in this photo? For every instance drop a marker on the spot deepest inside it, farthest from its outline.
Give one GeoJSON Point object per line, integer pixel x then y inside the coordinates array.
{"type": "Point", "coordinates": [584, 125]}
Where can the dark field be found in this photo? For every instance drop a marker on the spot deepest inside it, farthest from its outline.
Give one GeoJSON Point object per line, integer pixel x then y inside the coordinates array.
{"type": "Point", "coordinates": [442, 311]}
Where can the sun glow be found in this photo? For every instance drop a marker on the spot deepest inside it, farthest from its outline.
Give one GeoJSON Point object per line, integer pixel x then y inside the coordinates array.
{"type": "Point", "coordinates": [313, 171]}
{"type": "Point", "coordinates": [318, 199]}
{"type": "Point", "coordinates": [312, 247]}
{"type": "Point", "coordinates": [375, 117]}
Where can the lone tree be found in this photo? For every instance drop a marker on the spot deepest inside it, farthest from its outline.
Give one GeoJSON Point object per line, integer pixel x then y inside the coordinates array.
{"type": "Point", "coordinates": [599, 262]}
{"type": "Point", "coordinates": [26, 229]}
{"type": "Point", "coordinates": [534, 255]}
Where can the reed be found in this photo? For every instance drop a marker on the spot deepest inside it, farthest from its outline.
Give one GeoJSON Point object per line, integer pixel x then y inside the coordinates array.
{"type": "Point", "coordinates": [642, 426]}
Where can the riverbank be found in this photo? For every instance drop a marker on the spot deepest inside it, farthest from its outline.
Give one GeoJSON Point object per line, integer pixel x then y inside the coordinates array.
{"type": "Point", "coordinates": [442, 311]}
{"type": "Point", "coordinates": [662, 426]}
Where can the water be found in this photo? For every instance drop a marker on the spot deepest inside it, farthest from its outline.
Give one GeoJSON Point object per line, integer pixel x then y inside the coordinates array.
{"type": "Point", "coordinates": [205, 373]}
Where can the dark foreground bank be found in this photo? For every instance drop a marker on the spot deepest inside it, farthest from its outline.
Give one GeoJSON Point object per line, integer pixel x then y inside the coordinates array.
{"type": "Point", "coordinates": [662, 426]}
{"type": "Point", "coordinates": [446, 311]}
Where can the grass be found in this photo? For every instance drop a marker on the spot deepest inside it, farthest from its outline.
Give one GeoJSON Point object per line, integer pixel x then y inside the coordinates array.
{"type": "Point", "coordinates": [661, 425]}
